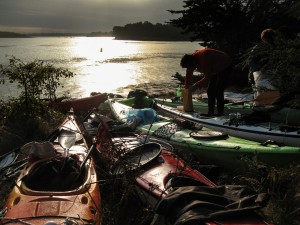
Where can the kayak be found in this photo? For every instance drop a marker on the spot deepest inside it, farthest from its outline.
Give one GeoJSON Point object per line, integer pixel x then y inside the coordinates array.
{"type": "Point", "coordinates": [206, 145]}
{"type": "Point", "coordinates": [235, 102]}
{"type": "Point", "coordinates": [58, 184]}
{"type": "Point", "coordinates": [201, 106]}
{"type": "Point", "coordinates": [161, 177]}
{"type": "Point", "coordinates": [79, 104]}
{"type": "Point", "coordinates": [242, 126]}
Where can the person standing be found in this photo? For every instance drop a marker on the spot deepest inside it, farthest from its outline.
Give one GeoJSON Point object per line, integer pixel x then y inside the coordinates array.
{"type": "Point", "coordinates": [216, 67]}
{"type": "Point", "coordinates": [261, 83]}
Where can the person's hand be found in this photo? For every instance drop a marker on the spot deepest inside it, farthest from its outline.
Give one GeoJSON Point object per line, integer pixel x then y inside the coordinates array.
{"type": "Point", "coordinates": [193, 88]}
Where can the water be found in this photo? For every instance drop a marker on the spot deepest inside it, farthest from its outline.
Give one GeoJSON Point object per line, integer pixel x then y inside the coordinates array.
{"type": "Point", "coordinates": [100, 64]}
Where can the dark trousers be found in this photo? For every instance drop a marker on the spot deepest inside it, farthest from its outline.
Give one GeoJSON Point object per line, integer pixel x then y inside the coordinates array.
{"type": "Point", "coordinates": [215, 91]}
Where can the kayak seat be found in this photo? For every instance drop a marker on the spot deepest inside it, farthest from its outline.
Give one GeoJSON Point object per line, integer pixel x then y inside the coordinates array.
{"type": "Point", "coordinates": [54, 175]}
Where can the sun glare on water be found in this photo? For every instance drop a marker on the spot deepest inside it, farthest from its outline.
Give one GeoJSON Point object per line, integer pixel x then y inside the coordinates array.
{"type": "Point", "coordinates": [104, 64]}
{"type": "Point", "coordinates": [100, 64]}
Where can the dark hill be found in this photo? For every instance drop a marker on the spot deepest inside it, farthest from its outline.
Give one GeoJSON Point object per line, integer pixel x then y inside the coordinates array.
{"type": "Point", "coordinates": [4, 34]}
{"type": "Point", "coordinates": [146, 31]}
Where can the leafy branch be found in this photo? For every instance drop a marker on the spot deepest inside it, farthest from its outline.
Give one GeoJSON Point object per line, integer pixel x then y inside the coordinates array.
{"type": "Point", "coordinates": [36, 80]}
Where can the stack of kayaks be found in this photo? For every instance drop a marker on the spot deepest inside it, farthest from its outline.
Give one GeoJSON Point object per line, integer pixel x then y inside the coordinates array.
{"type": "Point", "coordinates": [207, 145]}
{"type": "Point", "coordinates": [58, 184]}
{"type": "Point", "coordinates": [283, 111]}
{"type": "Point", "coordinates": [250, 126]}
{"type": "Point", "coordinates": [178, 193]}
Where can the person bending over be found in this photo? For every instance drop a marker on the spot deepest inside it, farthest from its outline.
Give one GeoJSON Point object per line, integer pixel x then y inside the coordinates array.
{"type": "Point", "coordinates": [215, 66]}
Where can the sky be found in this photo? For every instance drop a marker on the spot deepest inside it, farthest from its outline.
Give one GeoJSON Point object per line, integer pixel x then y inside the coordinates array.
{"type": "Point", "coordinates": [34, 16]}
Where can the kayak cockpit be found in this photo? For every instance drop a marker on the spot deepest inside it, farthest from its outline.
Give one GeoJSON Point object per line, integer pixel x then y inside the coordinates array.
{"type": "Point", "coordinates": [55, 175]}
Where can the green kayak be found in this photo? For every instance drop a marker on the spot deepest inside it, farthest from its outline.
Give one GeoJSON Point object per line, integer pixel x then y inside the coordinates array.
{"type": "Point", "coordinates": [200, 106]}
{"type": "Point", "coordinates": [207, 146]}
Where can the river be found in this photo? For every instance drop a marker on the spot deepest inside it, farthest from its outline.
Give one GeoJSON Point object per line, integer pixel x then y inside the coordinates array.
{"type": "Point", "coordinates": [101, 64]}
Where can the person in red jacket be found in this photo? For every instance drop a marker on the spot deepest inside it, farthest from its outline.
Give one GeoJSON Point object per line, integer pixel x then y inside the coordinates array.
{"type": "Point", "coordinates": [215, 66]}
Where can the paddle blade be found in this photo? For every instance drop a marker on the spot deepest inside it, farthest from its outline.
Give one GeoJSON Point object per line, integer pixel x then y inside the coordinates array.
{"type": "Point", "coordinates": [7, 160]}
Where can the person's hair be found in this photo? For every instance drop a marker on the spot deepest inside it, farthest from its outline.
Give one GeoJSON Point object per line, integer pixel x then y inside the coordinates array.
{"type": "Point", "coordinates": [187, 61]}
{"type": "Point", "coordinates": [267, 36]}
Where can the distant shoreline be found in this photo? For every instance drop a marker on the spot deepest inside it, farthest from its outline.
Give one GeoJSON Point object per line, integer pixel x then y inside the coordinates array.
{"type": "Point", "coordinates": [4, 34]}
{"type": "Point", "coordinates": [85, 35]}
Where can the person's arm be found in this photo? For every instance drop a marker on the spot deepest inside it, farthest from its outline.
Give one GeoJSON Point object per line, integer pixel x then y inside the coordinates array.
{"type": "Point", "coordinates": [198, 84]}
{"type": "Point", "coordinates": [188, 77]}
{"type": "Point", "coordinates": [206, 70]}
{"type": "Point", "coordinates": [202, 81]}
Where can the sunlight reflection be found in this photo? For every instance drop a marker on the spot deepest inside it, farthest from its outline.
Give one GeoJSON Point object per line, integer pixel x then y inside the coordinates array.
{"type": "Point", "coordinates": [105, 64]}
{"type": "Point", "coordinates": [101, 64]}
{"type": "Point", "coordinates": [99, 49]}
{"type": "Point", "coordinates": [105, 77]}
{"type": "Point", "coordinates": [105, 67]}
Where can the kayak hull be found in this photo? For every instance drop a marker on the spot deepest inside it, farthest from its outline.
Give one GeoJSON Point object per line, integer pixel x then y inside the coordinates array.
{"type": "Point", "coordinates": [79, 104]}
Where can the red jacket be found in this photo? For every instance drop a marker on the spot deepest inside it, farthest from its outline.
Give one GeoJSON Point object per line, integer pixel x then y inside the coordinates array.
{"type": "Point", "coordinates": [209, 62]}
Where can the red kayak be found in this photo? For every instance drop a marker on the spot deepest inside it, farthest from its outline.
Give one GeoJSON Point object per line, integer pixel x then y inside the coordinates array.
{"type": "Point", "coordinates": [177, 192]}
{"type": "Point", "coordinates": [58, 185]}
{"type": "Point", "coordinates": [79, 104]}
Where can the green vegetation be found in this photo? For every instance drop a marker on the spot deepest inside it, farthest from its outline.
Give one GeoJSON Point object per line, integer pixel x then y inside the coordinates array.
{"type": "Point", "coordinates": [36, 79]}
{"type": "Point", "coordinates": [28, 117]}
{"type": "Point", "coordinates": [99, 34]}
{"type": "Point", "coordinates": [234, 26]}
{"type": "Point", "coordinates": [281, 62]}
{"type": "Point", "coordinates": [148, 31]}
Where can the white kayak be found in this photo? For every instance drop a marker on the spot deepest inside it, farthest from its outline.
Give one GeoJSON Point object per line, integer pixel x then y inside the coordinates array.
{"type": "Point", "coordinates": [233, 125]}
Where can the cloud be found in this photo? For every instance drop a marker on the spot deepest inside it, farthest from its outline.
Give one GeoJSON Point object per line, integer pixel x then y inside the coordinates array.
{"type": "Point", "coordinates": [81, 15]}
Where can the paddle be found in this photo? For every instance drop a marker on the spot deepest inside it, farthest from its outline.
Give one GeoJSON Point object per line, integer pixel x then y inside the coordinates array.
{"type": "Point", "coordinates": [7, 153]}
{"type": "Point", "coordinates": [12, 172]}
{"type": "Point", "coordinates": [8, 157]}
{"type": "Point", "coordinates": [88, 155]}
{"type": "Point", "coordinates": [12, 164]}
{"type": "Point", "coordinates": [102, 123]}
